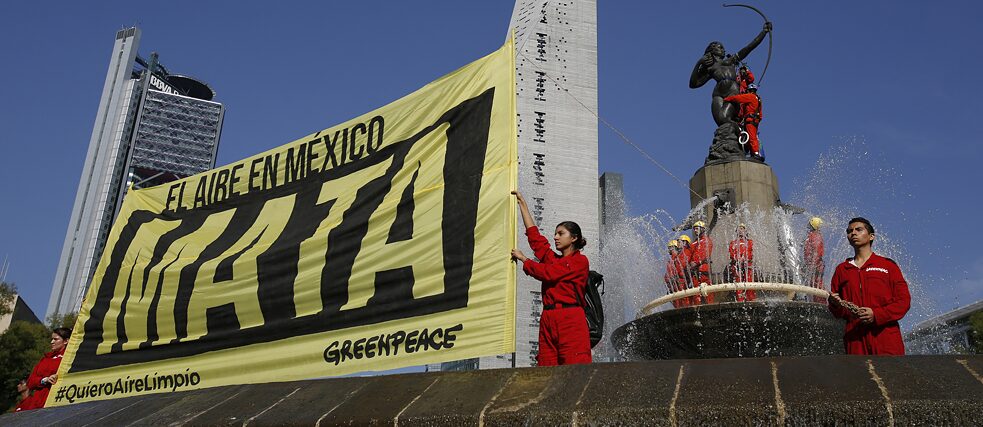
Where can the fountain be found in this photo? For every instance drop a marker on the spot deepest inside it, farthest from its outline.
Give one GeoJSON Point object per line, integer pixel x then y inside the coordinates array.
{"type": "Point", "coordinates": [789, 317]}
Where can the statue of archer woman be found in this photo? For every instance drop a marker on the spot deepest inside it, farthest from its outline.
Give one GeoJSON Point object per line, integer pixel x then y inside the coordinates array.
{"type": "Point", "coordinates": [716, 64]}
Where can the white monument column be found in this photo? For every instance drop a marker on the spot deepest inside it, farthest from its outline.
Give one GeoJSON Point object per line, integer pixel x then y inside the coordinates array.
{"type": "Point", "coordinates": [556, 86]}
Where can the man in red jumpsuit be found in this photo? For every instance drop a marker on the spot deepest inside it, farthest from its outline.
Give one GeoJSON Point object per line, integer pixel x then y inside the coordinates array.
{"type": "Point", "coordinates": [744, 78]}
{"type": "Point", "coordinates": [812, 253]}
{"type": "Point", "coordinates": [686, 279]}
{"type": "Point", "coordinates": [742, 262]}
{"type": "Point", "coordinates": [750, 116]}
{"type": "Point", "coordinates": [672, 272]}
{"type": "Point", "coordinates": [699, 260]}
{"type": "Point", "coordinates": [870, 292]}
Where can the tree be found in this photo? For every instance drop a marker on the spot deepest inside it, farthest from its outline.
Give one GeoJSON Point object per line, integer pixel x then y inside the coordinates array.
{"type": "Point", "coordinates": [976, 331]}
{"type": "Point", "coordinates": [21, 347]}
{"type": "Point", "coordinates": [57, 320]}
{"type": "Point", "coordinates": [8, 292]}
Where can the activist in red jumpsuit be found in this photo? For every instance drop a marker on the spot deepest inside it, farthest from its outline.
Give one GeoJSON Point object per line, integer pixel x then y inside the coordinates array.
{"type": "Point", "coordinates": [742, 262]}
{"type": "Point", "coordinates": [699, 258]}
{"type": "Point", "coordinates": [671, 277]}
{"type": "Point", "coordinates": [812, 253]}
{"type": "Point", "coordinates": [870, 292]}
{"type": "Point", "coordinates": [685, 277]}
{"type": "Point", "coordinates": [563, 335]}
{"type": "Point", "coordinates": [750, 115]}
{"type": "Point", "coordinates": [45, 373]}
{"type": "Point", "coordinates": [744, 78]}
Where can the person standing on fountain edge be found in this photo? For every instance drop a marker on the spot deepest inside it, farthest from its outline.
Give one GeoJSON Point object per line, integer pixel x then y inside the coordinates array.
{"type": "Point", "coordinates": [672, 272]}
{"type": "Point", "coordinates": [870, 292]}
{"type": "Point", "coordinates": [699, 259]}
{"type": "Point", "coordinates": [742, 262]}
{"type": "Point", "coordinates": [685, 278]}
{"type": "Point", "coordinates": [813, 250]}
{"type": "Point", "coordinates": [563, 335]}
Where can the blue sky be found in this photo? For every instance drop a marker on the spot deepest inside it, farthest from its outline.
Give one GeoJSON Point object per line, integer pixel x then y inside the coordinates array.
{"type": "Point", "coordinates": [868, 106]}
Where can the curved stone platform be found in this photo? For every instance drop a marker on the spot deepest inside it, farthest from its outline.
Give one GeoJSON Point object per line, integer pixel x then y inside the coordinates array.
{"type": "Point", "coordinates": [734, 329]}
{"type": "Point", "coordinates": [827, 390]}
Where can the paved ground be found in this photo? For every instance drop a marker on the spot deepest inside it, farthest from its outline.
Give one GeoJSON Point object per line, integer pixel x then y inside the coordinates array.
{"type": "Point", "coordinates": [822, 390]}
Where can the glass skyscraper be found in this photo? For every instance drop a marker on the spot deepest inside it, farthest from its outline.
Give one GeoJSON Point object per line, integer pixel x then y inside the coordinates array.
{"type": "Point", "coordinates": [151, 127]}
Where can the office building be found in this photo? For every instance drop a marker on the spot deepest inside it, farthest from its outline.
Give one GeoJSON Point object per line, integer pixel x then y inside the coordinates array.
{"type": "Point", "coordinates": [152, 126]}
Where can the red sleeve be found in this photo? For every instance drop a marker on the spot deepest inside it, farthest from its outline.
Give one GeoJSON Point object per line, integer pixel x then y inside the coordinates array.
{"type": "Point", "coordinates": [750, 76]}
{"type": "Point", "coordinates": [34, 381]}
{"type": "Point", "coordinates": [750, 250]}
{"type": "Point", "coordinates": [540, 246]}
{"type": "Point", "coordinates": [834, 287]}
{"type": "Point", "coordinates": [696, 255]}
{"type": "Point", "coordinates": [900, 301]}
{"type": "Point", "coordinates": [741, 98]}
{"type": "Point", "coordinates": [555, 271]}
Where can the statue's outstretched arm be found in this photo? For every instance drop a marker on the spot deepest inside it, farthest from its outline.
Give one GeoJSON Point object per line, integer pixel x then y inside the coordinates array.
{"type": "Point", "coordinates": [743, 53]}
{"type": "Point", "coordinates": [700, 76]}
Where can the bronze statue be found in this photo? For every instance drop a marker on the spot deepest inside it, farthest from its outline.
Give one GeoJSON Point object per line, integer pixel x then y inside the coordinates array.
{"type": "Point", "coordinates": [716, 64]}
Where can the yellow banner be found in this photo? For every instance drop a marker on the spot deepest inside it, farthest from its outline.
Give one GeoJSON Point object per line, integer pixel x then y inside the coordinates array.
{"type": "Point", "coordinates": [379, 243]}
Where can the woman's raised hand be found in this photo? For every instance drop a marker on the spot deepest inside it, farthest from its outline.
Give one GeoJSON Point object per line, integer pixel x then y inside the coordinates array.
{"type": "Point", "coordinates": [518, 197]}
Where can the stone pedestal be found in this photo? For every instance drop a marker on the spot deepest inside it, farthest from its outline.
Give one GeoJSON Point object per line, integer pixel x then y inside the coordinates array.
{"type": "Point", "coordinates": [737, 182]}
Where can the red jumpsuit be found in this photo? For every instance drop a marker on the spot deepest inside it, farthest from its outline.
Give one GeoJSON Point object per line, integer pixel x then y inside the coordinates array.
{"type": "Point", "coordinates": [563, 335]}
{"type": "Point", "coordinates": [685, 277]}
{"type": "Point", "coordinates": [880, 286]}
{"type": "Point", "coordinates": [742, 264]}
{"type": "Point", "coordinates": [812, 253]}
{"type": "Point", "coordinates": [750, 114]}
{"type": "Point", "coordinates": [672, 277]}
{"type": "Point", "coordinates": [46, 367]}
{"type": "Point", "coordinates": [745, 78]}
{"type": "Point", "coordinates": [700, 253]}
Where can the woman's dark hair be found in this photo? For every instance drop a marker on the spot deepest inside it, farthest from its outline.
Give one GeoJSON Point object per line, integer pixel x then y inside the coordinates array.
{"type": "Point", "coordinates": [712, 45]}
{"type": "Point", "coordinates": [574, 230]}
{"type": "Point", "coordinates": [865, 222]}
{"type": "Point", "coordinates": [64, 333]}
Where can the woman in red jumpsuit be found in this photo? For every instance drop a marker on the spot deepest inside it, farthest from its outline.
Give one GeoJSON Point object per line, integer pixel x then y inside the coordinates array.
{"type": "Point", "coordinates": [45, 373]}
{"type": "Point", "coordinates": [563, 335]}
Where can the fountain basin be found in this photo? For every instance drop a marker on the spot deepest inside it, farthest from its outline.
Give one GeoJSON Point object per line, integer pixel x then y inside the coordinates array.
{"type": "Point", "coordinates": [732, 329]}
